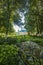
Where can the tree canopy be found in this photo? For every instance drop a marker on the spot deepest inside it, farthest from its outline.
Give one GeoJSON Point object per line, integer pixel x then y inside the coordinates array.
{"type": "Point", "coordinates": [33, 17]}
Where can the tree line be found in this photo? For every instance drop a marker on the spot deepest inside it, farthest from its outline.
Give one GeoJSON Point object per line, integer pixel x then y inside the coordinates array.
{"type": "Point", "coordinates": [33, 17]}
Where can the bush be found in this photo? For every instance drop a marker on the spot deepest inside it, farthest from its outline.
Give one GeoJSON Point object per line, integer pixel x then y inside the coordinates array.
{"type": "Point", "coordinates": [8, 55]}
{"type": "Point", "coordinates": [13, 40]}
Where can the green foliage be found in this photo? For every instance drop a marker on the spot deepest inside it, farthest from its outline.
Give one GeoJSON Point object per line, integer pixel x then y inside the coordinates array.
{"type": "Point", "coordinates": [38, 40]}
{"type": "Point", "coordinates": [9, 13]}
{"type": "Point", "coordinates": [14, 40]}
{"type": "Point", "coordinates": [8, 54]}
{"type": "Point", "coordinates": [34, 17]}
{"type": "Point", "coordinates": [16, 50]}
{"type": "Point", "coordinates": [18, 39]}
{"type": "Point", "coordinates": [33, 57]}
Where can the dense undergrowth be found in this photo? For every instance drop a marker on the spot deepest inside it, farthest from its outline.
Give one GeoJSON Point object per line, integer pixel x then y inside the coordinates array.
{"type": "Point", "coordinates": [8, 54]}
{"type": "Point", "coordinates": [19, 39]}
{"type": "Point", "coordinates": [14, 51]}
{"type": "Point", "coordinates": [14, 55]}
{"type": "Point", "coordinates": [15, 39]}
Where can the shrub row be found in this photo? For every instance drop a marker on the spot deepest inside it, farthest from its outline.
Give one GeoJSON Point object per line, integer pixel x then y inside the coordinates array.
{"type": "Point", "coordinates": [19, 39]}
{"type": "Point", "coordinates": [13, 40]}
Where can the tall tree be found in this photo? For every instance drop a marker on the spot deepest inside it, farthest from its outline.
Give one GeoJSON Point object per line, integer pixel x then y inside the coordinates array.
{"type": "Point", "coordinates": [8, 9]}
{"type": "Point", "coordinates": [34, 18]}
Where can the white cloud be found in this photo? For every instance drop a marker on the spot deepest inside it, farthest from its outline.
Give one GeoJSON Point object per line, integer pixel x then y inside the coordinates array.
{"type": "Point", "coordinates": [16, 28]}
